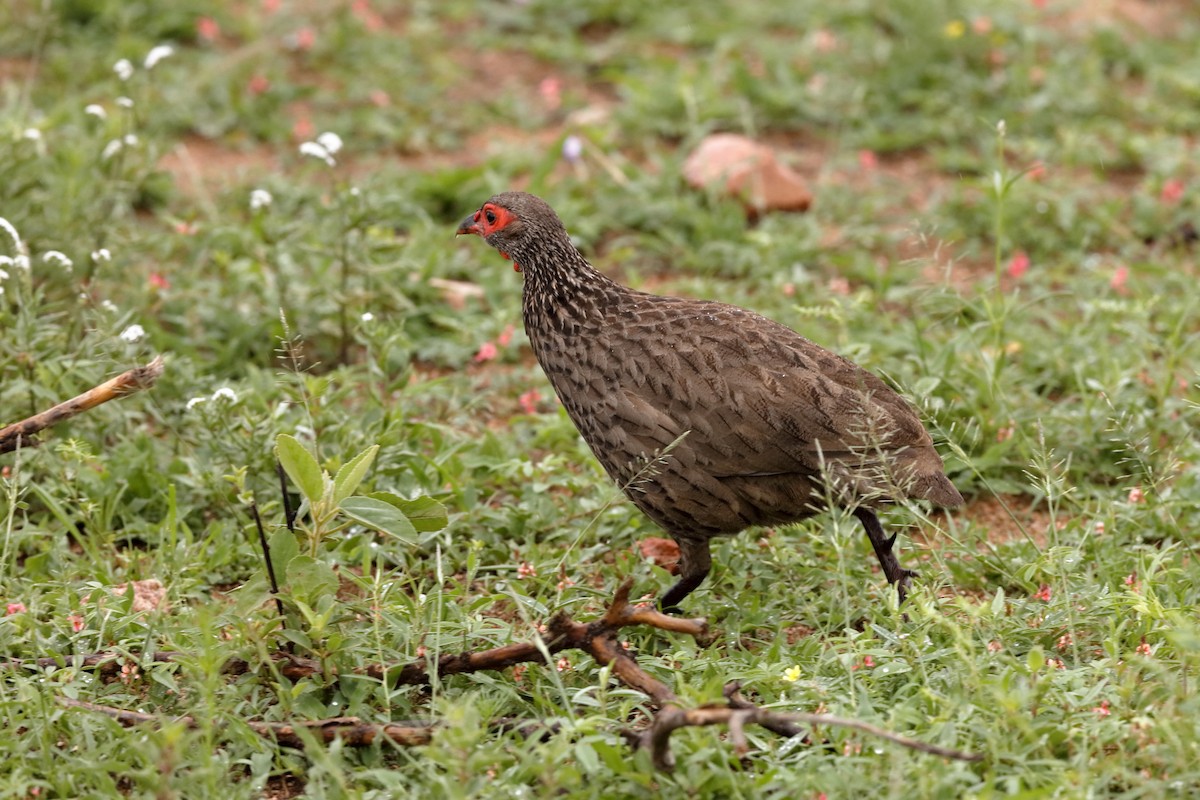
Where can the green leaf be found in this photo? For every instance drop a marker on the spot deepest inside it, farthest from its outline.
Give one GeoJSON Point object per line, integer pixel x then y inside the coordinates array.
{"type": "Point", "coordinates": [301, 467]}
{"type": "Point", "coordinates": [309, 579]}
{"type": "Point", "coordinates": [425, 513]}
{"type": "Point", "coordinates": [283, 547]}
{"type": "Point", "coordinates": [352, 473]}
{"type": "Point", "coordinates": [380, 515]}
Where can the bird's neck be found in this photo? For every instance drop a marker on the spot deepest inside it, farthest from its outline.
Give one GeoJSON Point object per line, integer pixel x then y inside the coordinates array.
{"type": "Point", "coordinates": [562, 290]}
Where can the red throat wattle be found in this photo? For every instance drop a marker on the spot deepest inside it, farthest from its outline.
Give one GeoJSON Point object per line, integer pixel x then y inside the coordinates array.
{"type": "Point", "coordinates": [507, 257]}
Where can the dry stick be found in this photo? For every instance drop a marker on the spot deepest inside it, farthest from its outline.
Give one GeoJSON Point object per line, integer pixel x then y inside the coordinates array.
{"type": "Point", "coordinates": [20, 434]}
{"type": "Point", "coordinates": [656, 738]}
{"type": "Point", "coordinates": [108, 663]}
{"type": "Point", "coordinates": [351, 730]}
{"type": "Point", "coordinates": [288, 514]}
{"type": "Point", "coordinates": [266, 550]}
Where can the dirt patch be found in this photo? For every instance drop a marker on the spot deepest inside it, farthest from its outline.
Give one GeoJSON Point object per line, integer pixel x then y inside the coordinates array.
{"type": "Point", "coordinates": [1009, 518]}
{"type": "Point", "coordinates": [795, 633]}
{"type": "Point", "coordinates": [1155, 17]}
{"type": "Point", "coordinates": [201, 166]}
{"type": "Point", "coordinates": [16, 69]}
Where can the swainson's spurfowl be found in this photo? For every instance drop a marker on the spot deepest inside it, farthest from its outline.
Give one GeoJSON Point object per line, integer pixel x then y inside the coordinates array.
{"type": "Point", "coordinates": [711, 418]}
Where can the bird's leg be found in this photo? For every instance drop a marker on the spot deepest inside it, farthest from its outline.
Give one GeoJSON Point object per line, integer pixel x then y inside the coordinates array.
{"type": "Point", "coordinates": [885, 552]}
{"type": "Point", "coordinates": [695, 561]}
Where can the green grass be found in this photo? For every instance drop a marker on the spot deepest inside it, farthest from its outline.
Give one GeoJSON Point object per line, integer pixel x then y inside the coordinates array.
{"type": "Point", "coordinates": [1053, 628]}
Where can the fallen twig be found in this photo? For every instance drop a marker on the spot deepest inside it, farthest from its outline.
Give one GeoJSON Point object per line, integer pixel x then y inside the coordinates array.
{"type": "Point", "coordinates": [351, 730]}
{"type": "Point", "coordinates": [21, 434]}
{"type": "Point", "coordinates": [740, 713]}
{"type": "Point", "coordinates": [108, 663]}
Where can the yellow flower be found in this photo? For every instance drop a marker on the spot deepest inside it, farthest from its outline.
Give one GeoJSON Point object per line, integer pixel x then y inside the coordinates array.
{"type": "Point", "coordinates": [791, 674]}
{"type": "Point", "coordinates": [955, 29]}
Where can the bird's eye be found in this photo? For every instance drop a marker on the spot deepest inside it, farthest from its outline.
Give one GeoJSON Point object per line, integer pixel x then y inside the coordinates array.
{"type": "Point", "coordinates": [490, 216]}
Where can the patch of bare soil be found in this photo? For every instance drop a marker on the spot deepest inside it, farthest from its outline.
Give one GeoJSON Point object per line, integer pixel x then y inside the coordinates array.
{"type": "Point", "coordinates": [1155, 17]}
{"type": "Point", "coordinates": [16, 69]}
{"type": "Point", "coordinates": [1009, 518]}
{"type": "Point", "coordinates": [201, 165]}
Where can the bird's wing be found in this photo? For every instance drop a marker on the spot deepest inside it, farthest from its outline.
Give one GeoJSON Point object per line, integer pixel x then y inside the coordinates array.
{"type": "Point", "coordinates": [758, 398]}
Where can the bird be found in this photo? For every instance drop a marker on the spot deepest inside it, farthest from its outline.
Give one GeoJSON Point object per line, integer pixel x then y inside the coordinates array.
{"type": "Point", "coordinates": [710, 417]}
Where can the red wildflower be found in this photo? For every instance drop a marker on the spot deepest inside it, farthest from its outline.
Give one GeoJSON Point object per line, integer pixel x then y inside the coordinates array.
{"type": "Point", "coordinates": [1119, 278]}
{"type": "Point", "coordinates": [1043, 593]}
{"type": "Point", "coordinates": [14, 608]}
{"type": "Point", "coordinates": [366, 15]}
{"type": "Point", "coordinates": [1172, 191]}
{"type": "Point", "coordinates": [551, 91]}
{"type": "Point", "coordinates": [1018, 265]}
{"type": "Point", "coordinates": [302, 128]}
{"type": "Point", "coordinates": [77, 622]}
{"type": "Point", "coordinates": [158, 281]}
{"type": "Point", "coordinates": [529, 401]}
{"type": "Point", "coordinates": [487, 351]}
{"type": "Point", "coordinates": [208, 29]}
{"type": "Point", "coordinates": [305, 38]}
{"type": "Point", "coordinates": [867, 159]}
{"type": "Point", "coordinates": [258, 84]}
{"type": "Point", "coordinates": [505, 336]}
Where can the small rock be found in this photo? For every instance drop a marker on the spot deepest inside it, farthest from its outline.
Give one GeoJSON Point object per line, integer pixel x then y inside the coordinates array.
{"type": "Point", "coordinates": [663, 552]}
{"type": "Point", "coordinates": [148, 595]}
{"type": "Point", "coordinates": [456, 293]}
{"type": "Point", "coordinates": [748, 170]}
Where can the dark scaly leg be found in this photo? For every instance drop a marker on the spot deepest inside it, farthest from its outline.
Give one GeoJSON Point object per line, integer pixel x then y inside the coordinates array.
{"type": "Point", "coordinates": [694, 563]}
{"type": "Point", "coordinates": [884, 551]}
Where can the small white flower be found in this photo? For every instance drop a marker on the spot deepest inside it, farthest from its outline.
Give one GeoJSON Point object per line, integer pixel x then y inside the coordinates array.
{"type": "Point", "coordinates": [330, 141]}
{"type": "Point", "coordinates": [57, 257]}
{"type": "Point", "coordinates": [101, 255]}
{"type": "Point", "coordinates": [157, 54]}
{"type": "Point", "coordinates": [226, 394]}
{"type": "Point", "coordinates": [96, 110]}
{"type": "Point", "coordinates": [260, 199]}
{"type": "Point", "coordinates": [3, 274]}
{"type": "Point", "coordinates": [130, 139]}
{"type": "Point", "coordinates": [11, 230]}
{"type": "Point", "coordinates": [125, 102]}
{"type": "Point", "coordinates": [367, 316]}
{"type": "Point", "coordinates": [124, 69]}
{"type": "Point", "coordinates": [133, 333]}
{"type": "Point", "coordinates": [111, 149]}
{"type": "Point", "coordinates": [32, 134]}
{"type": "Point", "coordinates": [317, 151]}
{"type": "Point", "coordinates": [109, 306]}
{"type": "Point", "coordinates": [355, 191]}
{"type": "Point", "coordinates": [21, 262]}
{"type": "Point", "coordinates": [572, 148]}
{"type": "Point", "coordinates": [195, 401]}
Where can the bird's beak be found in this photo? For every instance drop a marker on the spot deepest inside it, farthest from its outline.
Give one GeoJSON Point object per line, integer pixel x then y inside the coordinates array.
{"type": "Point", "coordinates": [470, 225]}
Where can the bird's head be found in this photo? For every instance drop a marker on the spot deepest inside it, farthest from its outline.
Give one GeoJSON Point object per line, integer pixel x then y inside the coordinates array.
{"type": "Point", "coordinates": [514, 223]}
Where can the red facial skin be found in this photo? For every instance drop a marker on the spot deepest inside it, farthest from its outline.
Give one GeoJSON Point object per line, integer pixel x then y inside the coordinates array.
{"type": "Point", "coordinates": [488, 220]}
